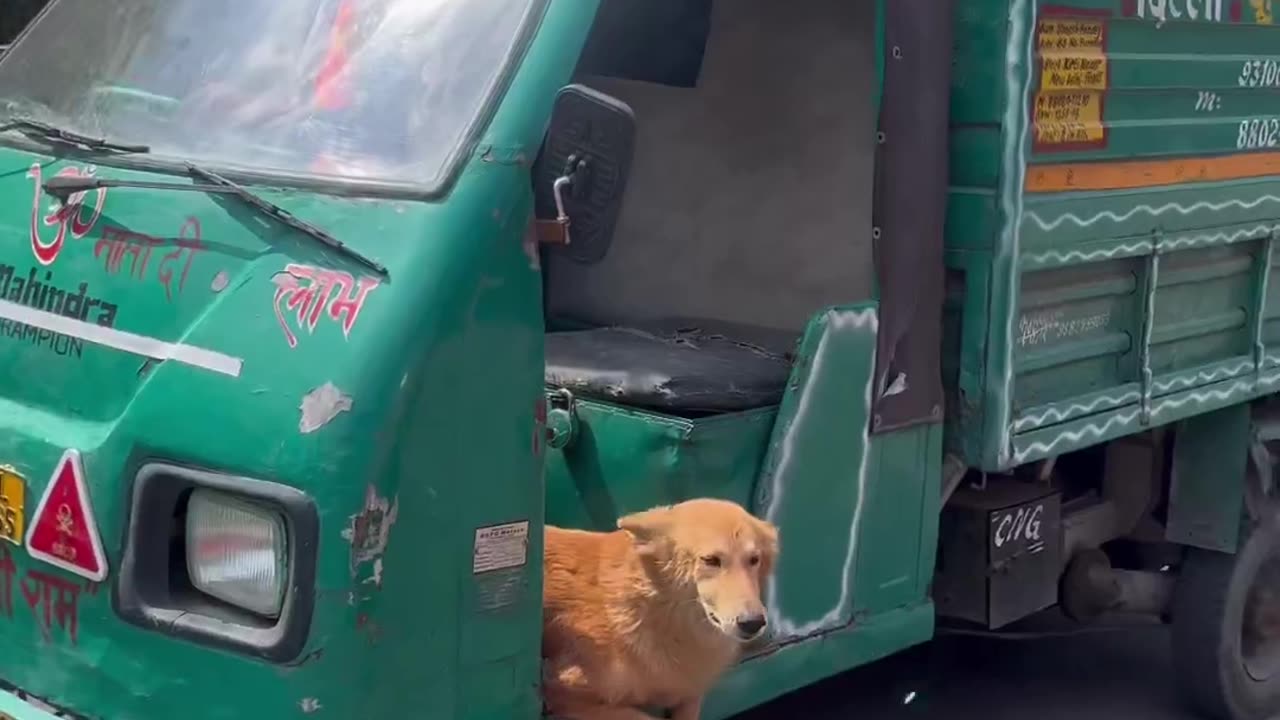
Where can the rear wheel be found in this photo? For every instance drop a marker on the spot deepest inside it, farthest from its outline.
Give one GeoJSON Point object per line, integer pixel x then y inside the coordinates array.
{"type": "Point", "coordinates": [1226, 628]}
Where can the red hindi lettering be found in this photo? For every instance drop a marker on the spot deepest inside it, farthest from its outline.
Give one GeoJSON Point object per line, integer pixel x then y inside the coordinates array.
{"type": "Point", "coordinates": [311, 293]}
{"type": "Point", "coordinates": [7, 571]}
{"type": "Point", "coordinates": [60, 600]}
{"type": "Point", "coordinates": [345, 308]}
{"type": "Point", "coordinates": [117, 242]}
{"type": "Point", "coordinates": [189, 242]}
{"type": "Point", "coordinates": [293, 296]}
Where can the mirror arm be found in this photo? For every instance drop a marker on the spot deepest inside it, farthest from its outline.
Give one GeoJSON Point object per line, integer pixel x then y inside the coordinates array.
{"type": "Point", "coordinates": [556, 232]}
{"type": "Point", "coordinates": [562, 216]}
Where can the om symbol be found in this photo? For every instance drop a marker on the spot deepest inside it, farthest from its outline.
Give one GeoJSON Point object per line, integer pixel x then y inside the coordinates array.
{"type": "Point", "coordinates": [69, 215]}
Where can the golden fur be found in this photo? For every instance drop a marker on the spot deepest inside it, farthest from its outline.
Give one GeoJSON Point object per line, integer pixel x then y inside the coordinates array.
{"type": "Point", "coordinates": [650, 615]}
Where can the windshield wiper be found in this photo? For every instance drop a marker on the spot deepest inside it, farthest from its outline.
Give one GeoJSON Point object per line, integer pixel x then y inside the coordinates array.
{"type": "Point", "coordinates": [284, 217]}
{"type": "Point", "coordinates": [46, 131]}
{"type": "Point", "coordinates": [64, 187]}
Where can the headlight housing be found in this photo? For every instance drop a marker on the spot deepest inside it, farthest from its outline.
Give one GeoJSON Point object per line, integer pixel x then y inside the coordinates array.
{"type": "Point", "coordinates": [237, 552]}
{"type": "Point", "coordinates": [220, 560]}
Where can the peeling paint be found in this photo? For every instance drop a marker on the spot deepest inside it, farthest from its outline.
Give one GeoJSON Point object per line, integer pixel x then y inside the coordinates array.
{"type": "Point", "coordinates": [531, 250]}
{"type": "Point", "coordinates": [376, 578]}
{"type": "Point", "coordinates": [369, 627]}
{"type": "Point", "coordinates": [220, 281]}
{"type": "Point", "coordinates": [513, 156]}
{"type": "Point", "coordinates": [320, 406]}
{"type": "Point", "coordinates": [310, 705]}
{"type": "Point", "coordinates": [369, 530]}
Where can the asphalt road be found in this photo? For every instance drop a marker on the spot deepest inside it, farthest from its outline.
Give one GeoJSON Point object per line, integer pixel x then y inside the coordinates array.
{"type": "Point", "coordinates": [1122, 675]}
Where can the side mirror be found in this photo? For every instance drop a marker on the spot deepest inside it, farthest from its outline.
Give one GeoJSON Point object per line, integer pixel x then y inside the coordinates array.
{"type": "Point", "coordinates": [581, 175]}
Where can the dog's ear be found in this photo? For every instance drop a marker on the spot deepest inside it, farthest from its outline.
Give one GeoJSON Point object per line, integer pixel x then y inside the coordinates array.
{"type": "Point", "coordinates": [768, 539]}
{"type": "Point", "coordinates": [648, 529]}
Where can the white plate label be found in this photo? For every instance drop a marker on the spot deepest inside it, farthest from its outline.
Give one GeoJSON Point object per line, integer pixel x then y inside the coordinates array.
{"type": "Point", "coordinates": [499, 547]}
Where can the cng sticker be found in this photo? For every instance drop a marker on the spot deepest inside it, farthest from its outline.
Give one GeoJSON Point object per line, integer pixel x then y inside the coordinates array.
{"type": "Point", "coordinates": [63, 531]}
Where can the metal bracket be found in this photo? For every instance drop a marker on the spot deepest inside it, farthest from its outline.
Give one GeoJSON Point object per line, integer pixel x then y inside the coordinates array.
{"type": "Point", "coordinates": [556, 232]}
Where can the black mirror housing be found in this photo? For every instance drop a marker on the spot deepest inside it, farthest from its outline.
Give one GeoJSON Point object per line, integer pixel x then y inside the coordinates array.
{"type": "Point", "coordinates": [581, 176]}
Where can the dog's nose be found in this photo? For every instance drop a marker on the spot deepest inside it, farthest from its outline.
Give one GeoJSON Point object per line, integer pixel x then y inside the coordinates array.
{"type": "Point", "coordinates": [751, 625]}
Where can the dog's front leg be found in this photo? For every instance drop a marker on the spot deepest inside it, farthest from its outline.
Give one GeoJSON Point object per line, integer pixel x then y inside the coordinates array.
{"type": "Point", "coordinates": [688, 710]}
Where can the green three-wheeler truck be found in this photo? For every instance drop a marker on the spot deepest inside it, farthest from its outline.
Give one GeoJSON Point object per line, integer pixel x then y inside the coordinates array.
{"type": "Point", "coordinates": [314, 312]}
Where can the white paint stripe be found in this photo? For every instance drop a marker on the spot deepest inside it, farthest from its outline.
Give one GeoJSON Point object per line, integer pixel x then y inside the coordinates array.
{"type": "Point", "coordinates": [121, 340]}
{"type": "Point", "coordinates": [787, 627]}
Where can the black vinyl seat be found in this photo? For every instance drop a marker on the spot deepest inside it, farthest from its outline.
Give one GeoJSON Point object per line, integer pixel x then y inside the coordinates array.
{"type": "Point", "coordinates": [680, 367]}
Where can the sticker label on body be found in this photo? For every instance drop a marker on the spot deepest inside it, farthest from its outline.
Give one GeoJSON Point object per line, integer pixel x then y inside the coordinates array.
{"type": "Point", "coordinates": [499, 547]}
{"type": "Point", "coordinates": [13, 492]}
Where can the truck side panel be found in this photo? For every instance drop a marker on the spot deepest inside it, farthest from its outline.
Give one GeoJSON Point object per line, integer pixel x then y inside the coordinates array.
{"type": "Point", "coordinates": [1126, 215]}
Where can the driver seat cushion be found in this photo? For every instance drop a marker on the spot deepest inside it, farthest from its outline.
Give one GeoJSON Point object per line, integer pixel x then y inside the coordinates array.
{"type": "Point", "coordinates": [682, 367]}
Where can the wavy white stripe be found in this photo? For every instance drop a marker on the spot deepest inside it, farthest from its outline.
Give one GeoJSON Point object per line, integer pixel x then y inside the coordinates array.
{"type": "Point", "coordinates": [1202, 377]}
{"type": "Point", "coordinates": [1099, 431]}
{"type": "Point", "coordinates": [1067, 257]}
{"type": "Point", "coordinates": [1054, 415]}
{"type": "Point", "coordinates": [1153, 211]}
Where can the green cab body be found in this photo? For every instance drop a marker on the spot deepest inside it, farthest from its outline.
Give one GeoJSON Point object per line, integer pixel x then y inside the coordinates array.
{"type": "Point", "coordinates": [313, 314]}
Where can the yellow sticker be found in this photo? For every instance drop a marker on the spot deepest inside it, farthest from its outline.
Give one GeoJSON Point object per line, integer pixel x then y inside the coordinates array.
{"type": "Point", "coordinates": [1073, 72]}
{"type": "Point", "coordinates": [1262, 12]}
{"type": "Point", "coordinates": [1069, 34]}
{"type": "Point", "coordinates": [1073, 55]}
{"type": "Point", "coordinates": [1074, 78]}
{"type": "Point", "coordinates": [1069, 119]}
{"type": "Point", "coordinates": [13, 501]}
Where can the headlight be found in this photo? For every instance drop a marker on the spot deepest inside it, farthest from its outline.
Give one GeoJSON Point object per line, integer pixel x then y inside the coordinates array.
{"type": "Point", "coordinates": [237, 552]}
{"type": "Point", "coordinates": [221, 560]}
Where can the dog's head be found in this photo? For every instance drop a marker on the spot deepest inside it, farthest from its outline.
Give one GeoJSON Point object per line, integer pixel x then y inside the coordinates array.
{"type": "Point", "coordinates": [714, 550]}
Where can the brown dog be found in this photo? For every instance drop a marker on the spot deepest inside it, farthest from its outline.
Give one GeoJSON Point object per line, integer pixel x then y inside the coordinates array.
{"type": "Point", "coordinates": [652, 614]}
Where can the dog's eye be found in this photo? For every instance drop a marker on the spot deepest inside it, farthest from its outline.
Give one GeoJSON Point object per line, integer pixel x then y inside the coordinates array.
{"type": "Point", "coordinates": [754, 560]}
{"type": "Point", "coordinates": [711, 560]}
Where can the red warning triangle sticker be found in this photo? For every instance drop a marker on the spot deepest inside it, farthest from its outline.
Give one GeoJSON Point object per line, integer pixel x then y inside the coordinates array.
{"type": "Point", "coordinates": [63, 531]}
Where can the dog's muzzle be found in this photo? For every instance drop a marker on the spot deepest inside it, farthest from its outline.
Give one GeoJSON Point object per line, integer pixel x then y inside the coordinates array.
{"type": "Point", "coordinates": [750, 626]}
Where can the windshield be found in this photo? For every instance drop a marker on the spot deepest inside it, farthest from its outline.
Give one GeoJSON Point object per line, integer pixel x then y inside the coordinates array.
{"type": "Point", "coordinates": [384, 90]}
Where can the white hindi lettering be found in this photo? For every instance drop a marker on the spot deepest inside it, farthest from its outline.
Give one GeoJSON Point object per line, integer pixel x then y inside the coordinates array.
{"type": "Point", "coordinates": [1165, 10]}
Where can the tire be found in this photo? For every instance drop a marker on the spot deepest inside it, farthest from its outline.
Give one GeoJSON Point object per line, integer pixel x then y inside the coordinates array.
{"type": "Point", "coordinates": [1218, 671]}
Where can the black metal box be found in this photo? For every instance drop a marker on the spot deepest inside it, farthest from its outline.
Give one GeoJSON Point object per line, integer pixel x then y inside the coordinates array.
{"type": "Point", "coordinates": [999, 552]}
